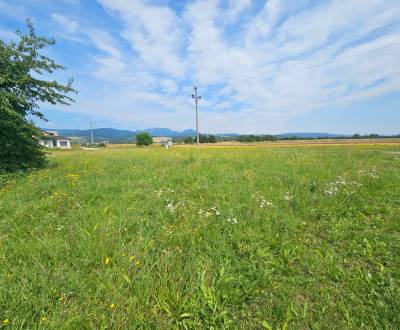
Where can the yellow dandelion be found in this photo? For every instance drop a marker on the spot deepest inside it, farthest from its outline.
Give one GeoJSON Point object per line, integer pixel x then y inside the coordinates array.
{"type": "Point", "coordinates": [62, 298]}
{"type": "Point", "coordinates": [106, 260]}
{"type": "Point", "coordinates": [113, 306]}
{"type": "Point", "coordinates": [6, 322]}
{"type": "Point", "coordinates": [137, 263]}
{"type": "Point", "coordinates": [132, 258]}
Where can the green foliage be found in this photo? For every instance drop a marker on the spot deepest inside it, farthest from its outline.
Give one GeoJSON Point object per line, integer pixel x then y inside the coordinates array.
{"type": "Point", "coordinates": [21, 92]}
{"type": "Point", "coordinates": [256, 138]}
{"type": "Point", "coordinates": [203, 138]}
{"type": "Point", "coordinates": [216, 238]}
{"type": "Point", "coordinates": [143, 139]}
{"type": "Point", "coordinates": [189, 140]}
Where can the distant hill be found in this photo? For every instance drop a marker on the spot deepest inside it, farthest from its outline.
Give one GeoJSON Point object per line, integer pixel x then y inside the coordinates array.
{"type": "Point", "coordinates": [167, 132]}
{"type": "Point", "coordinates": [309, 135]}
{"type": "Point", "coordinates": [118, 135]}
{"type": "Point", "coordinates": [99, 134]}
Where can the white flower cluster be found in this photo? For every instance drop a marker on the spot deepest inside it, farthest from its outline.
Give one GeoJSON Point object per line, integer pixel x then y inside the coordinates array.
{"type": "Point", "coordinates": [232, 221]}
{"type": "Point", "coordinates": [215, 210]}
{"type": "Point", "coordinates": [333, 188]}
{"type": "Point", "coordinates": [160, 191]}
{"type": "Point", "coordinates": [371, 174]}
{"type": "Point", "coordinates": [171, 206]}
{"type": "Point", "coordinates": [261, 201]}
{"type": "Point", "coordinates": [287, 196]}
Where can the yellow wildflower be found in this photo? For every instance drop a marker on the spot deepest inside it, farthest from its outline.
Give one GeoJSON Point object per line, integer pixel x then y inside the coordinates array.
{"type": "Point", "coordinates": [112, 306]}
{"type": "Point", "coordinates": [137, 263]}
{"type": "Point", "coordinates": [62, 298]}
{"type": "Point", "coordinates": [106, 260]}
{"type": "Point", "coordinates": [43, 319]}
{"type": "Point", "coordinates": [6, 322]}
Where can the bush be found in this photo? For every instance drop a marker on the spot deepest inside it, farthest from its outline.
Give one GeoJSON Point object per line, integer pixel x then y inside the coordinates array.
{"type": "Point", "coordinates": [143, 139]}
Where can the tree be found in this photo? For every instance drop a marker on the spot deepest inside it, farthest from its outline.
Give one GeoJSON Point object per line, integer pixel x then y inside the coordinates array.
{"type": "Point", "coordinates": [203, 138]}
{"type": "Point", "coordinates": [21, 92]}
{"type": "Point", "coordinates": [143, 139]}
{"type": "Point", "coordinates": [212, 139]}
{"type": "Point", "coordinates": [188, 140]}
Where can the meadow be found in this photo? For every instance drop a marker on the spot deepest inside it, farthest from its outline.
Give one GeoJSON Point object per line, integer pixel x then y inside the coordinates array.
{"type": "Point", "coordinates": [293, 237]}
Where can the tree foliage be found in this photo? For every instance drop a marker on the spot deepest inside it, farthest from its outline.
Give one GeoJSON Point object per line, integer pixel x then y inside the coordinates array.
{"type": "Point", "coordinates": [143, 139]}
{"type": "Point", "coordinates": [256, 138]}
{"type": "Point", "coordinates": [189, 140]}
{"type": "Point", "coordinates": [21, 92]}
{"type": "Point", "coordinates": [203, 138]}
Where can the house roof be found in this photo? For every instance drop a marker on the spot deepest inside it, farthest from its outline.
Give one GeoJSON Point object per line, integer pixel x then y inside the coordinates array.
{"type": "Point", "coordinates": [54, 138]}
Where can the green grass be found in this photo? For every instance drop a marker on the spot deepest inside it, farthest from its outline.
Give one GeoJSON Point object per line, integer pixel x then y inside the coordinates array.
{"type": "Point", "coordinates": [147, 238]}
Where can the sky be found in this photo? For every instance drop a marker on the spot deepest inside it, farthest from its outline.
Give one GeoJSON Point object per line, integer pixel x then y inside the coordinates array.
{"type": "Point", "coordinates": [262, 67]}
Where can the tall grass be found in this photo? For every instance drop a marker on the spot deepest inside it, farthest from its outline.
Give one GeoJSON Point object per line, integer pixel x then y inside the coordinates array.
{"type": "Point", "coordinates": [302, 237]}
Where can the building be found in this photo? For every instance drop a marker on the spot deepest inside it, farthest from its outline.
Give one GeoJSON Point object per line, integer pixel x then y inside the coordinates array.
{"type": "Point", "coordinates": [163, 140]}
{"type": "Point", "coordinates": [53, 140]}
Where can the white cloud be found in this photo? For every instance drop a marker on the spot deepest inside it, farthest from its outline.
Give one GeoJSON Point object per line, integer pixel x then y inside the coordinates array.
{"type": "Point", "coordinates": [256, 70]}
{"type": "Point", "coordinates": [70, 25]}
{"type": "Point", "coordinates": [154, 32]}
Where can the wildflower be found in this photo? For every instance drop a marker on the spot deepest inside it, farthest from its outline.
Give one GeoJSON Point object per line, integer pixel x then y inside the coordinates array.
{"type": "Point", "coordinates": [215, 210]}
{"type": "Point", "coordinates": [62, 298]}
{"type": "Point", "coordinates": [287, 196]}
{"type": "Point", "coordinates": [232, 221]}
{"type": "Point", "coordinates": [43, 319]}
{"type": "Point", "coordinates": [106, 260]}
{"type": "Point", "coordinates": [113, 306]}
{"type": "Point", "coordinates": [6, 322]}
{"type": "Point", "coordinates": [170, 205]}
{"type": "Point", "coordinates": [137, 263]}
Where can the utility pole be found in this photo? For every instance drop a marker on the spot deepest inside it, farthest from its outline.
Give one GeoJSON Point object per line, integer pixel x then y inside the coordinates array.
{"type": "Point", "coordinates": [91, 132]}
{"type": "Point", "coordinates": [196, 101]}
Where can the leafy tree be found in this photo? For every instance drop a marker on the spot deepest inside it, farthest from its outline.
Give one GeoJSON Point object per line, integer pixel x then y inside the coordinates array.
{"type": "Point", "coordinates": [143, 139]}
{"type": "Point", "coordinates": [212, 139]}
{"type": "Point", "coordinates": [203, 138]}
{"type": "Point", "coordinates": [21, 91]}
{"type": "Point", "coordinates": [189, 140]}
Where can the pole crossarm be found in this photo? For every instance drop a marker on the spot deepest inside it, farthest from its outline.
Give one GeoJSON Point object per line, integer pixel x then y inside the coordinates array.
{"type": "Point", "coordinates": [196, 99]}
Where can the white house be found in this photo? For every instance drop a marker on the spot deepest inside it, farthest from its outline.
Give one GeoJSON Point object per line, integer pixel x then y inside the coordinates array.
{"type": "Point", "coordinates": [163, 140]}
{"type": "Point", "coordinates": [53, 140]}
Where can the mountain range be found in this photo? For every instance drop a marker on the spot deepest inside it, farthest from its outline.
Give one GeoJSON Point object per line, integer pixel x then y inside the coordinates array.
{"type": "Point", "coordinates": [115, 135]}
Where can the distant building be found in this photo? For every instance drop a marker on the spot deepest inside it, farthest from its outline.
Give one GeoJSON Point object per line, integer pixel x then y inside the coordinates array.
{"type": "Point", "coordinates": [51, 139]}
{"type": "Point", "coordinates": [163, 140]}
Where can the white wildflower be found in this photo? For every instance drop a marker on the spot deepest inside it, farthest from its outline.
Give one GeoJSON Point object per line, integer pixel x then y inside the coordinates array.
{"type": "Point", "coordinates": [287, 196]}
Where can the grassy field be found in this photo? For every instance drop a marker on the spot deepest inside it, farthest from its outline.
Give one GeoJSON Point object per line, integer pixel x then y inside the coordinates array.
{"type": "Point", "coordinates": [228, 237]}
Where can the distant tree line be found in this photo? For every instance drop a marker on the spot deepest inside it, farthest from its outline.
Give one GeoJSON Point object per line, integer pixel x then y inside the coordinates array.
{"type": "Point", "coordinates": [203, 138]}
{"type": "Point", "coordinates": [256, 138]}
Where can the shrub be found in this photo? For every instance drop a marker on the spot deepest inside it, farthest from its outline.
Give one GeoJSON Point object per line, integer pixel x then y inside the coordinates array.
{"type": "Point", "coordinates": [143, 139]}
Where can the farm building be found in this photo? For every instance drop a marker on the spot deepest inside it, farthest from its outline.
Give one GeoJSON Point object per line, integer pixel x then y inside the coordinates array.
{"type": "Point", "coordinates": [163, 140]}
{"type": "Point", "coordinates": [53, 140]}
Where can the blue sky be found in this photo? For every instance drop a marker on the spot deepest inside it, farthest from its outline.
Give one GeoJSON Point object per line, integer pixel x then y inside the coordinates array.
{"type": "Point", "coordinates": [261, 66]}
